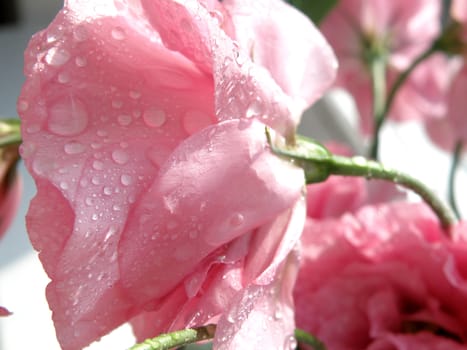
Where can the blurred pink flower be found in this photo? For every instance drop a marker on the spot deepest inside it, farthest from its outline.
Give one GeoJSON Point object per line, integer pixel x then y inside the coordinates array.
{"type": "Point", "coordinates": [452, 128]}
{"type": "Point", "coordinates": [4, 312]}
{"type": "Point", "coordinates": [401, 30]}
{"type": "Point", "coordinates": [158, 198]}
{"type": "Point", "coordinates": [384, 278]}
{"type": "Point", "coordinates": [459, 12]}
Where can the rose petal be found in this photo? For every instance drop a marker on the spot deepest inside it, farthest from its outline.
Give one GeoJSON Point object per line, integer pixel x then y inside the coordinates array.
{"type": "Point", "coordinates": [257, 93]}
{"type": "Point", "coordinates": [261, 316]}
{"type": "Point", "coordinates": [180, 218]}
{"type": "Point", "coordinates": [272, 33]}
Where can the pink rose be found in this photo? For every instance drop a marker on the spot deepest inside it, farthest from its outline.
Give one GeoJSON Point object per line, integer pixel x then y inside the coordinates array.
{"type": "Point", "coordinates": [452, 126]}
{"type": "Point", "coordinates": [400, 29]}
{"type": "Point", "coordinates": [459, 13]}
{"type": "Point", "coordinates": [384, 278]}
{"type": "Point", "coordinates": [158, 198]}
{"type": "Point", "coordinates": [450, 129]}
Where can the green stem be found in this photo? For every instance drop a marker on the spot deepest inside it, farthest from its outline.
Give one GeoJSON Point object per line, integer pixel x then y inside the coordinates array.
{"type": "Point", "coordinates": [452, 174]}
{"type": "Point", "coordinates": [359, 166]}
{"type": "Point", "coordinates": [308, 339]}
{"type": "Point", "coordinates": [378, 79]}
{"type": "Point", "coordinates": [177, 338]}
{"type": "Point", "coordinates": [10, 132]}
{"type": "Point", "coordinates": [317, 164]}
{"type": "Point", "coordinates": [382, 114]}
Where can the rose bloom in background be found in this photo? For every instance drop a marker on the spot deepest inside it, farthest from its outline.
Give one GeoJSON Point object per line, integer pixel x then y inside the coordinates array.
{"type": "Point", "coordinates": [398, 32]}
{"type": "Point", "coordinates": [139, 120]}
{"type": "Point", "coordinates": [451, 129]}
{"type": "Point", "coordinates": [384, 277]}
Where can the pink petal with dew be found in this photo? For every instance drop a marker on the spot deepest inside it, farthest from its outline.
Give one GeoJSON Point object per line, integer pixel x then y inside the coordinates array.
{"type": "Point", "coordinates": [272, 33]}
{"type": "Point", "coordinates": [130, 102]}
{"type": "Point", "coordinates": [256, 93]}
{"type": "Point", "coordinates": [224, 275]}
{"type": "Point", "coordinates": [104, 107]}
{"type": "Point", "coordinates": [187, 220]}
{"type": "Point", "coordinates": [261, 315]}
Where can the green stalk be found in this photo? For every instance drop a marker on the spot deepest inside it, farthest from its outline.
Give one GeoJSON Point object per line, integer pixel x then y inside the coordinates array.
{"type": "Point", "coordinates": [378, 80]}
{"type": "Point", "coordinates": [452, 174]}
{"type": "Point", "coordinates": [318, 163]}
{"type": "Point", "coordinates": [10, 132]}
{"type": "Point", "coordinates": [381, 113]}
{"type": "Point", "coordinates": [308, 339]}
{"type": "Point", "coordinates": [177, 338]}
{"type": "Point", "coordinates": [359, 166]}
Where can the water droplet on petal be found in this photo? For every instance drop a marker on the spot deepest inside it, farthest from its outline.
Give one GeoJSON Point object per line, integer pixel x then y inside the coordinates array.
{"type": "Point", "coordinates": [255, 109]}
{"type": "Point", "coordinates": [32, 129]}
{"type": "Point", "coordinates": [63, 77]}
{"type": "Point", "coordinates": [98, 165]}
{"type": "Point", "coordinates": [118, 33]}
{"type": "Point", "coordinates": [81, 61]}
{"type": "Point", "coordinates": [22, 105]}
{"type": "Point", "coordinates": [359, 160]}
{"type": "Point", "coordinates": [194, 121]}
{"type": "Point", "coordinates": [117, 104]}
{"type": "Point", "coordinates": [218, 16]}
{"type": "Point", "coordinates": [80, 33]}
{"type": "Point", "coordinates": [236, 220]}
{"type": "Point", "coordinates": [290, 343]}
{"type": "Point", "coordinates": [239, 56]}
{"type": "Point", "coordinates": [154, 117]}
{"type": "Point", "coordinates": [126, 180]}
{"type": "Point", "coordinates": [111, 231]}
{"type": "Point", "coordinates": [278, 315]}
{"type": "Point", "coordinates": [134, 94]}
{"type": "Point", "coordinates": [57, 56]}
{"type": "Point", "coordinates": [124, 119]}
{"type": "Point", "coordinates": [67, 116]}
{"type": "Point", "coordinates": [108, 190]}
{"type": "Point", "coordinates": [63, 185]}
{"type": "Point", "coordinates": [120, 157]}
{"type": "Point", "coordinates": [102, 133]}
{"type": "Point", "coordinates": [74, 147]}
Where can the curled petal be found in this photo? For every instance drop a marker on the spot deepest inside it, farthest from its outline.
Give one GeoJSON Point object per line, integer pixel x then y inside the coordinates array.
{"type": "Point", "coordinates": [261, 316]}
{"type": "Point", "coordinates": [187, 220]}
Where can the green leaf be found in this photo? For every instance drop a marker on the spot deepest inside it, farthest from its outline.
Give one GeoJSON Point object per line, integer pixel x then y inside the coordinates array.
{"type": "Point", "coordinates": [316, 10]}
